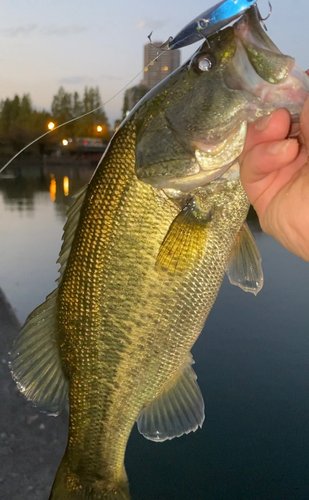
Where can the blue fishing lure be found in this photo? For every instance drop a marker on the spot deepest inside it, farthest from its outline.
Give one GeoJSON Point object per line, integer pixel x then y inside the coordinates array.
{"type": "Point", "coordinates": [209, 22]}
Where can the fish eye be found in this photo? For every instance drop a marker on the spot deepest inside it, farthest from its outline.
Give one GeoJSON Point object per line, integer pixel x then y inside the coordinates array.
{"type": "Point", "coordinates": [203, 63]}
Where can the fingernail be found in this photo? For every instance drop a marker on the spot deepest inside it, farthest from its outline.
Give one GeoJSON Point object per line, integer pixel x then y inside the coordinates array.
{"type": "Point", "coordinates": [262, 123]}
{"type": "Point", "coordinates": [280, 147]}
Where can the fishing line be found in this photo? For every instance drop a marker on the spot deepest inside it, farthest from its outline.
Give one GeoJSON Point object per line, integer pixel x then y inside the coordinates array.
{"type": "Point", "coordinates": [80, 116]}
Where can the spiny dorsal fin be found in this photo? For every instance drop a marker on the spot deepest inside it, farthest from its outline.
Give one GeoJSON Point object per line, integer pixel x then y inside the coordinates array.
{"type": "Point", "coordinates": [70, 228]}
{"type": "Point", "coordinates": [177, 410]}
{"type": "Point", "coordinates": [244, 267]}
{"type": "Point", "coordinates": [185, 241]}
{"type": "Point", "coordinates": [35, 360]}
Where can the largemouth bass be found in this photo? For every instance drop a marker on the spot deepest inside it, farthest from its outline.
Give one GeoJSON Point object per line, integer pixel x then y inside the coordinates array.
{"type": "Point", "coordinates": [145, 249]}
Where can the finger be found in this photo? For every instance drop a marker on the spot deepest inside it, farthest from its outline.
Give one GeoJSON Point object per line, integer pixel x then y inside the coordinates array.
{"type": "Point", "coordinates": [273, 127]}
{"type": "Point", "coordinates": [265, 158]}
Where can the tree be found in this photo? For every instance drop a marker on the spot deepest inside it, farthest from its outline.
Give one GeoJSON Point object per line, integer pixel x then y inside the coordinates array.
{"type": "Point", "coordinates": [77, 105]}
{"type": "Point", "coordinates": [20, 124]}
{"type": "Point", "coordinates": [66, 106]}
{"type": "Point", "coordinates": [61, 107]}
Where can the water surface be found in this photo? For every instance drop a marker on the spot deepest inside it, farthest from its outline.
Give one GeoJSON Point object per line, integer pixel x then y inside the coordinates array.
{"type": "Point", "coordinates": [252, 359]}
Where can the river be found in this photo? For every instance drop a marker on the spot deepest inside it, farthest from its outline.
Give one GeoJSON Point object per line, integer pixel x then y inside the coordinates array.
{"type": "Point", "coordinates": [252, 359]}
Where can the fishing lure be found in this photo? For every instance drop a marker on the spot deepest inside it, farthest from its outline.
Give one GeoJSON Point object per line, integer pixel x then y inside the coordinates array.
{"type": "Point", "coordinates": [207, 23]}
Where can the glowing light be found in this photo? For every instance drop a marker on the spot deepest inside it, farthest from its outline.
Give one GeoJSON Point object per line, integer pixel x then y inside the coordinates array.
{"type": "Point", "coordinates": [165, 68]}
{"type": "Point", "coordinates": [50, 125]}
{"type": "Point", "coordinates": [52, 187]}
{"type": "Point", "coordinates": [99, 128]}
{"type": "Point", "coordinates": [65, 142]}
{"type": "Point", "coordinates": [66, 185]}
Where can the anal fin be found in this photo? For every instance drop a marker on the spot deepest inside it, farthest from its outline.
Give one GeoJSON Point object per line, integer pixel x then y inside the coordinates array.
{"type": "Point", "coordinates": [177, 410]}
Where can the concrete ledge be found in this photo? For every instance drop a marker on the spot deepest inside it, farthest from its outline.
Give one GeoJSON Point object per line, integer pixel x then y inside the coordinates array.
{"type": "Point", "coordinates": [31, 443]}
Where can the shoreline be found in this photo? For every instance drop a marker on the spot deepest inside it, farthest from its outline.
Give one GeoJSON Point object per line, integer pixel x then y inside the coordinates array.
{"type": "Point", "coordinates": [31, 443]}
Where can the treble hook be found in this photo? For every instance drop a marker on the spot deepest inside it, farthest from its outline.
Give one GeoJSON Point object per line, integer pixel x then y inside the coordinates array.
{"type": "Point", "coordinates": [164, 46]}
{"type": "Point", "coordinates": [202, 24]}
{"type": "Point", "coordinates": [262, 19]}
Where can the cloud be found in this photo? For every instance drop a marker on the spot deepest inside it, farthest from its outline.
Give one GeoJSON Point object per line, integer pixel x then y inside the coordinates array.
{"type": "Point", "coordinates": [19, 30]}
{"type": "Point", "coordinates": [111, 77]}
{"type": "Point", "coordinates": [73, 29]}
{"type": "Point", "coordinates": [30, 29]}
{"type": "Point", "coordinates": [86, 80]}
{"type": "Point", "coordinates": [150, 24]}
{"type": "Point", "coordinates": [74, 80]}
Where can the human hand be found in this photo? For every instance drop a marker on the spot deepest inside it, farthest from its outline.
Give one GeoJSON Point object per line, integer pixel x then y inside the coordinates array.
{"type": "Point", "coordinates": [274, 171]}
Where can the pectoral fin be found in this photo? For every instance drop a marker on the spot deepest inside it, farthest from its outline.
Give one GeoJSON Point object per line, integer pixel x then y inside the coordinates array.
{"type": "Point", "coordinates": [185, 241]}
{"type": "Point", "coordinates": [244, 267]}
{"type": "Point", "coordinates": [179, 409]}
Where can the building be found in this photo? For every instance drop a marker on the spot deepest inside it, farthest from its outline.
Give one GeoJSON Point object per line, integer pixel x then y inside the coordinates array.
{"type": "Point", "coordinates": [156, 71]}
{"type": "Point", "coordinates": [132, 96]}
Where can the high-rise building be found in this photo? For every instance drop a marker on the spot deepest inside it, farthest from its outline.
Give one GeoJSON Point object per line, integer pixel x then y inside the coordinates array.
{"type": "Point", "coordinates": [132, 96]}
{"type": "Point", "coordinates": [168, 61]}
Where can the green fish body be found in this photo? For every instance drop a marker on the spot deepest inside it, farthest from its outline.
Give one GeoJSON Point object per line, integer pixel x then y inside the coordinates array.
{"type": "Point", "coordinates": [133, 320]}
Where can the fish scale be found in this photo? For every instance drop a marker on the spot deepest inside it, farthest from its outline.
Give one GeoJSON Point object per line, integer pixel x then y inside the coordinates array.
{"type": "Point", "coordinates": [135, 312]}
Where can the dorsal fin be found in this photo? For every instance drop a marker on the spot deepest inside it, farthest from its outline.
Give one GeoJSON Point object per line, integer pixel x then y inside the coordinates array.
{"type": "Point", "coordinates": [70, 228]}
{"type": "Point", "coordinates": [35, 360]}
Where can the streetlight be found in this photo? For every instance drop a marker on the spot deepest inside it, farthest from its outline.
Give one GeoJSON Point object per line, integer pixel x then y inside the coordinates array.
{"type": "Point", "coordinates": [50, 125]}
{"type": "Point", "coordinates": [65, 142]}
{"type": "Point", "coordinates": [99, 128]}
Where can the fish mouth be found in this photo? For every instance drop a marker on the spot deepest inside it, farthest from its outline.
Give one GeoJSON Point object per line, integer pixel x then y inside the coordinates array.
{"type": "Point", "coordinates": [276, 83]}
{"type": "Point", "coordinates": [287, 86]}
{"type": "Point", "coordinates": [290, 93]}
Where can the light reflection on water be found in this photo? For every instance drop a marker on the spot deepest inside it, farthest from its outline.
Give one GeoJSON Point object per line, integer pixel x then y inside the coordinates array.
{"type": "Point", "coordinates": [33, 212]}
{"type": "Point", "coordinates": [252, 360]}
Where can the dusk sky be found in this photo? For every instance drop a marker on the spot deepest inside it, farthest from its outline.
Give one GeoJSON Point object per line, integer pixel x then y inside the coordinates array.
{"type": "Point", "coordinates": [45, 44]}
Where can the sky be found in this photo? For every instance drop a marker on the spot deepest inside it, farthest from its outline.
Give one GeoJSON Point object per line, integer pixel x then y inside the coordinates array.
{"type": "Point", "coordinates": [45, 44]}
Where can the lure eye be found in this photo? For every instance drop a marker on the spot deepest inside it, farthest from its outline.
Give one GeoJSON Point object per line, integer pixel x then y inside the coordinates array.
{"type": "Point", "coordinates": [202, 23]}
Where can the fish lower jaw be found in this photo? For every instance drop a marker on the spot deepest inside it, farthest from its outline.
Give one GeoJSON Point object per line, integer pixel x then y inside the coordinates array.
{"type": "Point", "coordinates": [191, 182]}
{"type": "Point", "coordinates": [211, 161]}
